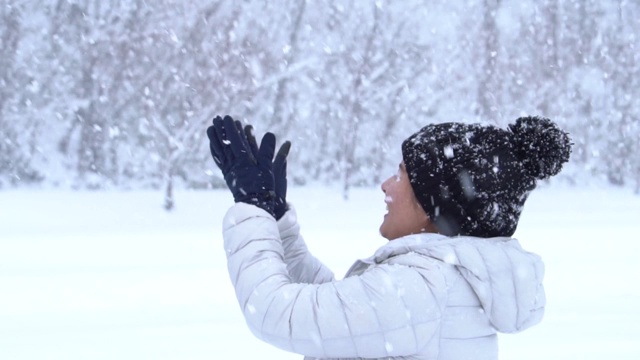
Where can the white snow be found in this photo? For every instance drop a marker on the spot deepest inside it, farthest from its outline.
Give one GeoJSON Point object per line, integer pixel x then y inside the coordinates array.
{"type": "Point", "coordinates": [111, 275]}
{"type": "Point", "coordinates": [448, 151]}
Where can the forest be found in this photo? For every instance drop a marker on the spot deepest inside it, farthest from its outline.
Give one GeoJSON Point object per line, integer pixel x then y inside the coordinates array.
{"type": "Point", "coordinates": [118, 94]}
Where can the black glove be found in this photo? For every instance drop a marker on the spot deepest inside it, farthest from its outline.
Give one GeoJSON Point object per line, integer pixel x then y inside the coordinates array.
{"type": "Point", "coordinates": [248, 176]}
{"type": "Point", "coordinates": [279, 171]}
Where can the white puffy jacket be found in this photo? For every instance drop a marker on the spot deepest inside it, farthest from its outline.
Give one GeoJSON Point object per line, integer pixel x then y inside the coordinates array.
{"type": "Point", "coordinates": [423, 296]}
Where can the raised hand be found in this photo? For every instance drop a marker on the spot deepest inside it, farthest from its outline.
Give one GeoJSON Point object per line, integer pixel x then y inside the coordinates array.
{"type": "Point", "coordinates": [247, 169]}
{"type": "Point", "coordinates": [280, 180]}
{"type": "Point", "coordinates": [279, 171]}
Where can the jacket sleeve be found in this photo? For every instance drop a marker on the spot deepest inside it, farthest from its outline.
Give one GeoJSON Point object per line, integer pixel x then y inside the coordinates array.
{"type": "Point", "coordinates": [389, 310]}
{"type": "Point", "coordinates": [302, 266]}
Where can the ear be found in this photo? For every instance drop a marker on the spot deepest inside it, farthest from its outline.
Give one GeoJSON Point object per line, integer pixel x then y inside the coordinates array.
{"type": "Point", "coordinates": [430, 226]}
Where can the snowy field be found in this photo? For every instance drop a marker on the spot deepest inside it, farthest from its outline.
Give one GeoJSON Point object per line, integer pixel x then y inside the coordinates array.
{"type": "Point", "coordinates": [112, 276]}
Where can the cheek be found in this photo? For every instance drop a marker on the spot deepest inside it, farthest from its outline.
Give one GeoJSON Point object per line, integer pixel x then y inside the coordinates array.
{"type": "Point", "coordinates": [405, 196]}
{"type": "Point", "coordinates": [412, 210]}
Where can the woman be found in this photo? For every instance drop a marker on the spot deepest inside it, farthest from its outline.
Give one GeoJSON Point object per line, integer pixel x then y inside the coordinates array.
{"type": "Point", "coordinates": [448, 280]}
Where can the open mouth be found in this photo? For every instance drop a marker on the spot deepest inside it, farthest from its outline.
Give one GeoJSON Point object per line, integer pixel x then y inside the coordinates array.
{"type": "Point", "coordinates": [387, 200]}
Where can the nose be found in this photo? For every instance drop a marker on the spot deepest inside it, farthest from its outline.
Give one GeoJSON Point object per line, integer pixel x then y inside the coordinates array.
{"type": "Point", "coordinates": [383, 186]}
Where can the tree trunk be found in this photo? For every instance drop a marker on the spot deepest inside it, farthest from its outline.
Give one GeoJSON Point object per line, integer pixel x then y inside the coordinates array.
{"type": "Point", "coordinates": [279, 116]}
{"type": "Point", "coordinates": [168, 190]}
{"type": "Point", "coordinates": [350, 138]}
{"type": "Point", "coordinates": [487, 85]}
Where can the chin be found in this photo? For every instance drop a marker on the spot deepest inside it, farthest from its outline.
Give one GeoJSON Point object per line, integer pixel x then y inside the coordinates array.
{"type": "Point", "coordinates": [386, 234]}
{"type": "Point", "coordinates": [383, 232]}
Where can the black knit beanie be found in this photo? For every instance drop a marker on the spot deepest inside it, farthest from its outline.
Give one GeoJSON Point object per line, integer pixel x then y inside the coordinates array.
{"type": "Point", "coordinates": [473, 179]}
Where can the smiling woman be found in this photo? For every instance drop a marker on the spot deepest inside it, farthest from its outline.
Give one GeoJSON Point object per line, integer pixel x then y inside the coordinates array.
{"type": "Point", "coordinates": [450, 279]}
{"type": "Point", "coordinates": [404, 214]}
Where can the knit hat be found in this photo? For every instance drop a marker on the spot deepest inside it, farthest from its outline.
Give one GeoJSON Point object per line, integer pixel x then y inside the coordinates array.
{"type": "Point", "coordinates": [473, 179]}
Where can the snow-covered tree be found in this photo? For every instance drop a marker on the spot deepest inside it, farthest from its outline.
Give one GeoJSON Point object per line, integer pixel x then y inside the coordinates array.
{"type": "Point", "coordinates": [98, 94]}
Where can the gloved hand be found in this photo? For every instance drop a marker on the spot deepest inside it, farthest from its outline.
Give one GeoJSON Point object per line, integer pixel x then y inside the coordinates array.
{"type": "Point", "coordinates": [279, 172]}
{"type": "Point", "coordinates": [248, 174]}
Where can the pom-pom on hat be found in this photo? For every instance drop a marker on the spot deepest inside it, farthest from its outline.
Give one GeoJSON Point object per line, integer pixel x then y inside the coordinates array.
{"type": "Point", "coordinates": [473, 179]}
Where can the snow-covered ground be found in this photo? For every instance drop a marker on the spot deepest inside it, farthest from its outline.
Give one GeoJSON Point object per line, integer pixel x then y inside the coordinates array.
{"type": "Point", "coordinates": [110, 275]}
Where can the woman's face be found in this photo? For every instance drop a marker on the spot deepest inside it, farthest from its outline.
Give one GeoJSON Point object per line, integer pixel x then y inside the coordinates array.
{"type": "Point", "coordinates": [405, 216]}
